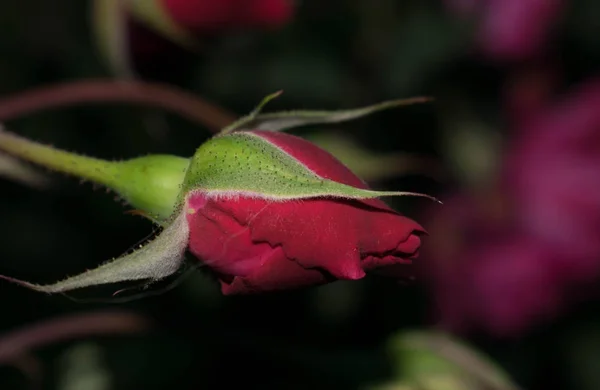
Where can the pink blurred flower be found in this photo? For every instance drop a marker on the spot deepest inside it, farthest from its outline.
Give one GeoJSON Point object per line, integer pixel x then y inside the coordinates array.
{"type": "Point", "coordinates": [486, 274]}
{"type": "Point", "coordinates": [510, 29]}
{"type": "Point", "coordinates": [505, 260]}
{"type": "Point", "coordinates": [554, 172]}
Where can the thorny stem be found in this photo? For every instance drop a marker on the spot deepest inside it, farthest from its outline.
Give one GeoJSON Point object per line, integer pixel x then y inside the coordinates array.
{"type": "Point", "coordinates": [159, 95]}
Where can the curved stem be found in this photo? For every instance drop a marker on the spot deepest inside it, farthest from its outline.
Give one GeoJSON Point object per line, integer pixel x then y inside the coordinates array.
{"type": "Point", "coordinates": [162, 96]}
{"type": "Point", "coordinates": [67, 328]}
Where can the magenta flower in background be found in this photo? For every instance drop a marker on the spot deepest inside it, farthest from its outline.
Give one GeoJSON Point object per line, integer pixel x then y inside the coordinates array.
{"type": "Point", "coordinates": [510, 258]}
{"type": "Point", "coordinates": [554, 175]}
{"type": "Point", "coordinates": [486, 274]}
{"type": "Point", "coordinates": [510, 29]}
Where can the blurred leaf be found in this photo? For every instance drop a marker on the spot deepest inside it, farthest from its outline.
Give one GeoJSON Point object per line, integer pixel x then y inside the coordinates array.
{"type": "Point", "coordinates": [435, 361]}
{"type": "Point", "coordinates": [82, 367]}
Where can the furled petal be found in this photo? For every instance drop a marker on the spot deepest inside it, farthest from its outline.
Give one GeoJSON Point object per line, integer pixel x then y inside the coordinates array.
{"type": "Point", "coordinates": [277, 273]}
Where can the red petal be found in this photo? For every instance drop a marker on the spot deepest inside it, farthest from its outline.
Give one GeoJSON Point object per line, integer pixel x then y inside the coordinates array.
{"type": "Point", "coordinates": [278, 273]}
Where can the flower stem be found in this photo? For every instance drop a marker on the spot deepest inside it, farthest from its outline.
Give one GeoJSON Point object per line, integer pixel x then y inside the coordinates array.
{"type": "Point", "coordinates": [151, 184]}
{"type": "Point", "coordinates": [97, 170]}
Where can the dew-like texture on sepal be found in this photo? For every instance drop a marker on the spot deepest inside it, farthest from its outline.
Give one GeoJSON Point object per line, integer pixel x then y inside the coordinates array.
{"type": "Point", "coordinates": [248, 164]}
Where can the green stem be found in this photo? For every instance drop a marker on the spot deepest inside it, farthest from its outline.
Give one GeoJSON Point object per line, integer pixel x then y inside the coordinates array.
{"type": "Point", "coordinates": [96, 170]}
{"type": "Point", "coordinates": [151, 184]}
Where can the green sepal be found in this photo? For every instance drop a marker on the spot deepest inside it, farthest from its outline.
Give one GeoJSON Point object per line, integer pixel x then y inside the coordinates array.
{"type": "Point", "coordinates": [157, 260]}
{"type": "Point", "coordinates": [246, 164]}
{"type": "Point", "coordinates": [279, 121]}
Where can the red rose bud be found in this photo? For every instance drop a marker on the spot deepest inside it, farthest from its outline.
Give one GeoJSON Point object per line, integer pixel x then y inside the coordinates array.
{"type": "Point", "coordinates": [256, 243]}
{"type": "Point", "coordinates": [264, 210]}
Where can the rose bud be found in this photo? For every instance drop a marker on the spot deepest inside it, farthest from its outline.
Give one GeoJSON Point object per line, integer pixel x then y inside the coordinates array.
{"type": "Point", "coordinates": [263, 210]}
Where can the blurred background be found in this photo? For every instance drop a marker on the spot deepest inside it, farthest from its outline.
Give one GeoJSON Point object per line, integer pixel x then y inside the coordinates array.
{"type": "Point", "coordinates": [511, 144]}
